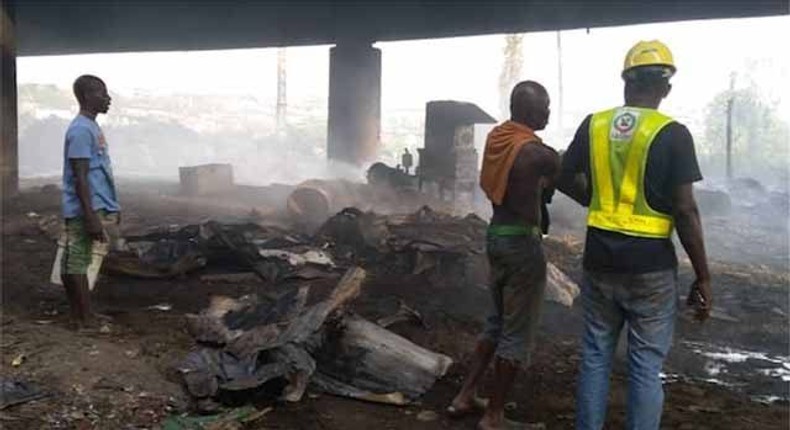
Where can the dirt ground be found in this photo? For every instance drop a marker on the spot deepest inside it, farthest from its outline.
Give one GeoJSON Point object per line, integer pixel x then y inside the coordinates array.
{"type": "Point", "coordinates": [124, 378]}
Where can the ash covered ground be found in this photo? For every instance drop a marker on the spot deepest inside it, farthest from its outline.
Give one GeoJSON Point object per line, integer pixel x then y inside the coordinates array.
{"type": "Point", "coordinates": [730, 373]}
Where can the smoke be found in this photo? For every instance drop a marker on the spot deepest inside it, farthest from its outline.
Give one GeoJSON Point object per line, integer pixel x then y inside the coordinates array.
{"type": "Point", "coordinates": [151, 136]}
{"type": "Point", "coordinates": [289, 167]}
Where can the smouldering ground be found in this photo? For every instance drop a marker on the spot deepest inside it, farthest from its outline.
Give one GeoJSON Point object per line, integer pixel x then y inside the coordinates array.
{"type": "Point", "coordinates": [124, 378]}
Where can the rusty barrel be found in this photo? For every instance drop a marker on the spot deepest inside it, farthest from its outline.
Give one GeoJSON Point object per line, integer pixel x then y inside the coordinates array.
{"type": "Point", "coordinates": [315, 200]}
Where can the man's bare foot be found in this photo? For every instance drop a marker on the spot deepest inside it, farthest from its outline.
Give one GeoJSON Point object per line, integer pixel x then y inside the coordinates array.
{"type": "Point", "coordinates": [461, 407]}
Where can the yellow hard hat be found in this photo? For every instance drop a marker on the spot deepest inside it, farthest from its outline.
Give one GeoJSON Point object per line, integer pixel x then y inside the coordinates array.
{"type": "Point", "coordinates": [650, 53]}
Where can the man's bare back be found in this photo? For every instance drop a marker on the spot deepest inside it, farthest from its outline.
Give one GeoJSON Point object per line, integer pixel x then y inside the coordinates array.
{"type": "Point", "coordinates": [518, 263]}
{"type": "Point", "coordinates": [534, 170]}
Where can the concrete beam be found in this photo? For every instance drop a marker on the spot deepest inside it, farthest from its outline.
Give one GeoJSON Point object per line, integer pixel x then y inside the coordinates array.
{"type": "Point", "coordinates": [9, 164]}
{"type": "Point", "coordinates": [78, 27]}
{"type": "Point", "coordinates": [354, 103]}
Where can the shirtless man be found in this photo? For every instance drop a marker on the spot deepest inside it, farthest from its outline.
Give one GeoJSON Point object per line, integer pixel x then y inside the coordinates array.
{"type": "Point", "coordinates": [517, 170]}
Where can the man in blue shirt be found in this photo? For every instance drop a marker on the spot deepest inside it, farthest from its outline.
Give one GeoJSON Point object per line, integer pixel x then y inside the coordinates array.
{"type": "Point", "coordinates": [90, 205]}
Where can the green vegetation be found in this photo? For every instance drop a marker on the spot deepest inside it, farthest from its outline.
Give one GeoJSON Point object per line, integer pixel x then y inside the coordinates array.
{"type": "Point", "coordinates": [760, 137]}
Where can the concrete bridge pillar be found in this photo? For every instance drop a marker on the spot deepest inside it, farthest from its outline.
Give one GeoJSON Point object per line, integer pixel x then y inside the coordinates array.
{"type": "Point", "coordinates": [9, 164]}
{"type": "Point", "coordinates": [354, 103]}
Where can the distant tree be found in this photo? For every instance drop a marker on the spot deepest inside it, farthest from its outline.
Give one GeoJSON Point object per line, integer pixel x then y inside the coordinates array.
{"type": "Point", "coordinates": [511, 71]}
{"type": "Point", "coordinates": [760, 138]}
{"type": "Point", "coordinates": [49, 96]}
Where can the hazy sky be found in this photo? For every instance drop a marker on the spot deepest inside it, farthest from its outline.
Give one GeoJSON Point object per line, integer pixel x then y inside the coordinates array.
{"type": "Point", "coordinates": [468, 68]}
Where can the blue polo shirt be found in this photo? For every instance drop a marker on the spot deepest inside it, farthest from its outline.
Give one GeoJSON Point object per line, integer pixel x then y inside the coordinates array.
{"type": "Point", "coordinates": [84, 139]}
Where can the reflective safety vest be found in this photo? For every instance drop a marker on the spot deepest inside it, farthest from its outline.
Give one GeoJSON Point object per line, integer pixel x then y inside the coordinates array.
{"type": "Point", "coordinates": [620, 141]}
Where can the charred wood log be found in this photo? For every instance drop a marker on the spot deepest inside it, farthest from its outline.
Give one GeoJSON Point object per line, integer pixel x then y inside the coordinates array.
{"type": "Point", "coordinates": [376, 362]}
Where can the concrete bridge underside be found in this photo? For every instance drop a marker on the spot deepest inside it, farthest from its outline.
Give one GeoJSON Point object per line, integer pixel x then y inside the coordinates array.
{"type": "Point", "coordinates": [41, 27]}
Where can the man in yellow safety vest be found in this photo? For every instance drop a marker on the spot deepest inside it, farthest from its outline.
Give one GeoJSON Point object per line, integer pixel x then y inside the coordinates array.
{"type": "Point", "coordinates": [633, 167]}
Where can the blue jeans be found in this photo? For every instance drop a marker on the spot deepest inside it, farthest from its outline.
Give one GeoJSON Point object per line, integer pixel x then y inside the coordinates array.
{"type": "Point", "coordinates": [648, 303]}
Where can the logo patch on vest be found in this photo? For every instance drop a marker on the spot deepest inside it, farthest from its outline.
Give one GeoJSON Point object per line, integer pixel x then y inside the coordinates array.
{"type": "Point", "coordinates": [623, 125]}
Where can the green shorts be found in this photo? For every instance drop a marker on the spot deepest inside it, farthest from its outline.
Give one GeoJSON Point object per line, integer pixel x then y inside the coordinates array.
{"type": "Point", "coordinates": [78, 247]}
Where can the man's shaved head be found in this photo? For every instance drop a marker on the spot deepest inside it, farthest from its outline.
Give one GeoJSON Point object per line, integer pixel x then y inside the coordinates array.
{"type": "Point", "coordinates": [529, 104]}
{"type": "Point", "coordinates": [91, 93]}
{"type": "Point", "coordinates": [84, 84]}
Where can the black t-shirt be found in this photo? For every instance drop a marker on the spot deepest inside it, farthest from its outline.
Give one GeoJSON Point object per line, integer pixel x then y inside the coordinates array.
{"type": "Point", "coordinates": [671, 162]}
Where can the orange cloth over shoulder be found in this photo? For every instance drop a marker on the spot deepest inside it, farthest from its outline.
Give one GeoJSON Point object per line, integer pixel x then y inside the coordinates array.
{"type": "Point", "coordinates": [502, 146]}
